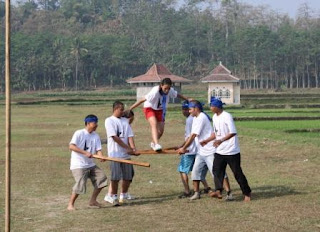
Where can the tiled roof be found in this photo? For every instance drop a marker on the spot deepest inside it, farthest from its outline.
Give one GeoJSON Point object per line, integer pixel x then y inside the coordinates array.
{"type": "Point", "coordinates": [155, 74]}
{"type": "Point", "coordinates": [220, 74]}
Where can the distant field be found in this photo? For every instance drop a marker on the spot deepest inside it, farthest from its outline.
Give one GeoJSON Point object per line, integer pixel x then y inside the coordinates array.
{"type": "Point", "coordinates": [281, 166]}
{"type": "Point", "coordinates": [250, 99]}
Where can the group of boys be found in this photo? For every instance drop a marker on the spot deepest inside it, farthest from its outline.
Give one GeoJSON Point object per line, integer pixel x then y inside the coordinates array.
{"type": "Point", "coordinates": [216, 145]}
{"type": "Point", "coordinates": [86, 142]}
{"type": "Point", "coordinates": [207, 146]}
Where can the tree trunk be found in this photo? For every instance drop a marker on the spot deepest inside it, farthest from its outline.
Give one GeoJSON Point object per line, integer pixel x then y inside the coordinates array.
{"type": "Point", "coordinates": [316, 74]}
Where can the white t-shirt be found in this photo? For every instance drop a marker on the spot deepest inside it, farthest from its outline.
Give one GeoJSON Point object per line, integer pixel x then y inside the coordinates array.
{"type": "Point", "coordinates": [86, 141]}
{"type": "Point", "coordinates": [193, 147]}
{"type": "Point", "coordinates": [118, 127]}
{"type": "Point", "coordinates": [224, 125]}
{"type": "Point", "coordinates": [202, 127]}
{"type": "Point", "coordinates": [154, 98]}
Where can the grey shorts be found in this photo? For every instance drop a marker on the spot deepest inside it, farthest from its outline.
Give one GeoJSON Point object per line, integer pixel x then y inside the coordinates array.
{"type": "Point", "coordinates": [121, 171]}
{"type": "Point", "coordinates": [96, 175]}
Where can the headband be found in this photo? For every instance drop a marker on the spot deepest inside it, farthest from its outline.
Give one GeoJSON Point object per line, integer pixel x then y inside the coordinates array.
{"type": "Point", "coordinates": [216, 102]}
{"type": "Point", "coordinates": [91, 119]}
{"type": "Point", "coordinates": [185, 105]}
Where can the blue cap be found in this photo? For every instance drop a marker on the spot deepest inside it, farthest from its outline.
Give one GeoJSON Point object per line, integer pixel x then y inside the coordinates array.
{"type": "Point", "coordinates": [185, 104]}
{"type": "Point", "coordinates": [216, 102]}
{"type": "Point", "coordinates": [91, 118]}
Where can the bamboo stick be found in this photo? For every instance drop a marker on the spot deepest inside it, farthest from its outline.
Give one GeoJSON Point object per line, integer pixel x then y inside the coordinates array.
{"type": "Point", "coordinates": [122, 161]}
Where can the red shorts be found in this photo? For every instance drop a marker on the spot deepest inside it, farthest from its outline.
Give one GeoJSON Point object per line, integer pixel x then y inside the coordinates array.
{"type": "Point", "coordinates": [149, 112]}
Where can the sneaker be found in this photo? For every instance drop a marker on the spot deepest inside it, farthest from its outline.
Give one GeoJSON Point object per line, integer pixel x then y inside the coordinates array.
{"type": "Point", "coordinates": [157, 147]}
{"type": "Point", "coordinates": [130, 197]}
{"type": "Point", "coordinates": [195, 196]}
{"type": "Point", "coordinates": [122, 198]}
{"type": "Point", "coordinates": [184, 195]}
{"type": "Point", "coordinates": [152, 145]}
{"type": "Point", "coordinates": [112, 199]}
{"type": "Point", "coordinates": [229, 197]}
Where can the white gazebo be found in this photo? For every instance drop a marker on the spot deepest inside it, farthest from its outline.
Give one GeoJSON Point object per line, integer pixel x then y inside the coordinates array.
{"type": "Point", "coordinates": [152, 77]}
{"type": "Point", "coordinates": [222, 84]}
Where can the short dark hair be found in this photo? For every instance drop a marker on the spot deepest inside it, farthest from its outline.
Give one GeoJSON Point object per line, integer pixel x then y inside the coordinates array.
{"type": "Point", "coordinates": [166, 81]}
{"type": "Point", "coordinates": [128, 114]}
{"type": "Point", "coordinates": [116, 105]}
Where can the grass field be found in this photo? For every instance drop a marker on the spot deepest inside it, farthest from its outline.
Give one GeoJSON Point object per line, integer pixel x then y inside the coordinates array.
{"type": "Point", "coordinates": [281, 168]}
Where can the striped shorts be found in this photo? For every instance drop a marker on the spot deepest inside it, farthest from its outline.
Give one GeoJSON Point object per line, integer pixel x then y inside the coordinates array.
{"type": "Point", "coordinates": [121, 171]}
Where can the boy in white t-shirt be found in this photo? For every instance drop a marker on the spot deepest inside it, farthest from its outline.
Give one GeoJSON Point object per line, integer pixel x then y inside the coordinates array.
{"type": "Point", "coordinates": [201, 130]}
{"type": "Point", "coordinates": [187, 160]}
{"type": "Point", "coordinates": [227, 150]}
{"type": "Point", "coordinates": [121, 146]}
{"type": "Point", "coordinates": [154, 108]}
{"type": "Point", "coordinates": [84, 144]}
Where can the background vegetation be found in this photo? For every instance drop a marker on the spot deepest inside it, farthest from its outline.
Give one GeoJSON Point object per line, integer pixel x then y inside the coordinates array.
{"type": "Point", "coordinates": [80, 44]}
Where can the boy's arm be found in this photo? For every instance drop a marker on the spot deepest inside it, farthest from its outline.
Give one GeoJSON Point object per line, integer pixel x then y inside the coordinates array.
{"type": "Point", "coordinates": [122, 144]}
{"type": "Point", "coordinates": [75, 148]}
{"type": "Point", "coordinates": [212, 137]}
{"type": "Point", "coordinates": [183, 149]}
{"type": "Point", "coordinates": [228, 136]}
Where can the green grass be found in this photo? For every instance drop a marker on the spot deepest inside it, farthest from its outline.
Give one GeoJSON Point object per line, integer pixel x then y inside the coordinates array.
{"type": "Point", "coordinates": [281, 167]}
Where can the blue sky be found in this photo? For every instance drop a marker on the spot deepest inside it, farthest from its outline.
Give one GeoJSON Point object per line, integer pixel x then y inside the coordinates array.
{"type": "Point", "coordinates": [286, 6]}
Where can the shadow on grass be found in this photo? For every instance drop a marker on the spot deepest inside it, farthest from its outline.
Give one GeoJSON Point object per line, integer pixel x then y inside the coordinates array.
{"type": "Point", "coordinates": [155, 199]}
{"type": "Point", "coordinates": [265, 192]}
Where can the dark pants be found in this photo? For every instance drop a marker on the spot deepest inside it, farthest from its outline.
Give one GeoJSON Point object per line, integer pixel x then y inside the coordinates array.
{"type": "Point", "coordinates": [219, 169]}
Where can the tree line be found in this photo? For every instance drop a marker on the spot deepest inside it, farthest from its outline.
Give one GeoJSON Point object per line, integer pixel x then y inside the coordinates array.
{"type": "Point", "coordinates": [84, 44]}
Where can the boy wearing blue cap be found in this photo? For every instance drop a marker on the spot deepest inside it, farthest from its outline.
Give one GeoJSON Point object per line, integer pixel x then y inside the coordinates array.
{"type": "Point", "coordinates": [227, 150]}
{"type": "Point", "coordinates": [187, 160]}
{"type": "Point", "coordinates": [201, 130]}
{"type": "Point", "coordinates": [83, 145]}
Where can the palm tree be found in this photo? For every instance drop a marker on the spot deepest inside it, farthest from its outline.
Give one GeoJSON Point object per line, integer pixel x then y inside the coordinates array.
{"type": "Point", "coordinates": [77, 50]}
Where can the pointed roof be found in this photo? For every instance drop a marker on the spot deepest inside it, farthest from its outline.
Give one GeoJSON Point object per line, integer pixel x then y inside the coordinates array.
{"type": "Point", "coordinates": [155, 74]}
{"type": "Point", "coordinates": [220, 74]}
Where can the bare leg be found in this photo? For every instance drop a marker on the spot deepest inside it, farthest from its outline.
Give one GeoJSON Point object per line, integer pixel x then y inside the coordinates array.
{"type": "Point", "coordinates": [114, 186]}
{"type": "Point", "coordinates": [205, 183]}
{"type": "Point", "coordinates": [154, 129]}
{"type": "Point", "coordinates": [93, 200]}
{"type": "Point", "coordinates": [196, 184]}
{"type": "Point", "coordinates": [73, 198]}
{"type": "Point", "coordinates": [185, 182]}
{"type": "Point", "coordinates": [160, 126]}
{"type": "Point", "coordinates": [247, 198]}
{"type": "Point", "coordinates": [226, 184]}
{"type": "Point", "coordinates": [125, 186]}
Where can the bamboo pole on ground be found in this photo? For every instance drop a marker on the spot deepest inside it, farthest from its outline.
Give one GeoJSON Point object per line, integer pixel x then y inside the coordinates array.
{"type": "Point", "coordinates": [8, 120]}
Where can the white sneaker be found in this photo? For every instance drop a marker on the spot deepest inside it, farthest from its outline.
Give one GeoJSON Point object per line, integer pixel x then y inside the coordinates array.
{"type": "Point", "coordinates": [195, 196]}
{"type": "Point", "coordinates": [229, 197]}
{"type": "Point", "coordinates": [130, 197]}
{"type": "Point", "coordinates": [152, 145]}
{"type": "Point", "coordinates": [122, 198]}
{"type": "Point", "coordinates": [157, 147]}
{"type": "Point", "coordinates": [112, 199]}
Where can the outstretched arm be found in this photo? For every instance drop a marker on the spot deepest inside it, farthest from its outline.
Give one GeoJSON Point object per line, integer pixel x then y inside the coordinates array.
{"type": "Point", "coordinates": [137, 104]}
{"type": "Point", "coordinates": [182, 97]}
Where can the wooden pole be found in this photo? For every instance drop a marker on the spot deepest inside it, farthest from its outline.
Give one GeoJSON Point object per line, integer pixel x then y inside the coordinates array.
{"type": "Point", "coordinates": [8, 121]}
{"type": "Point", "coordinates": [122, 161]}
